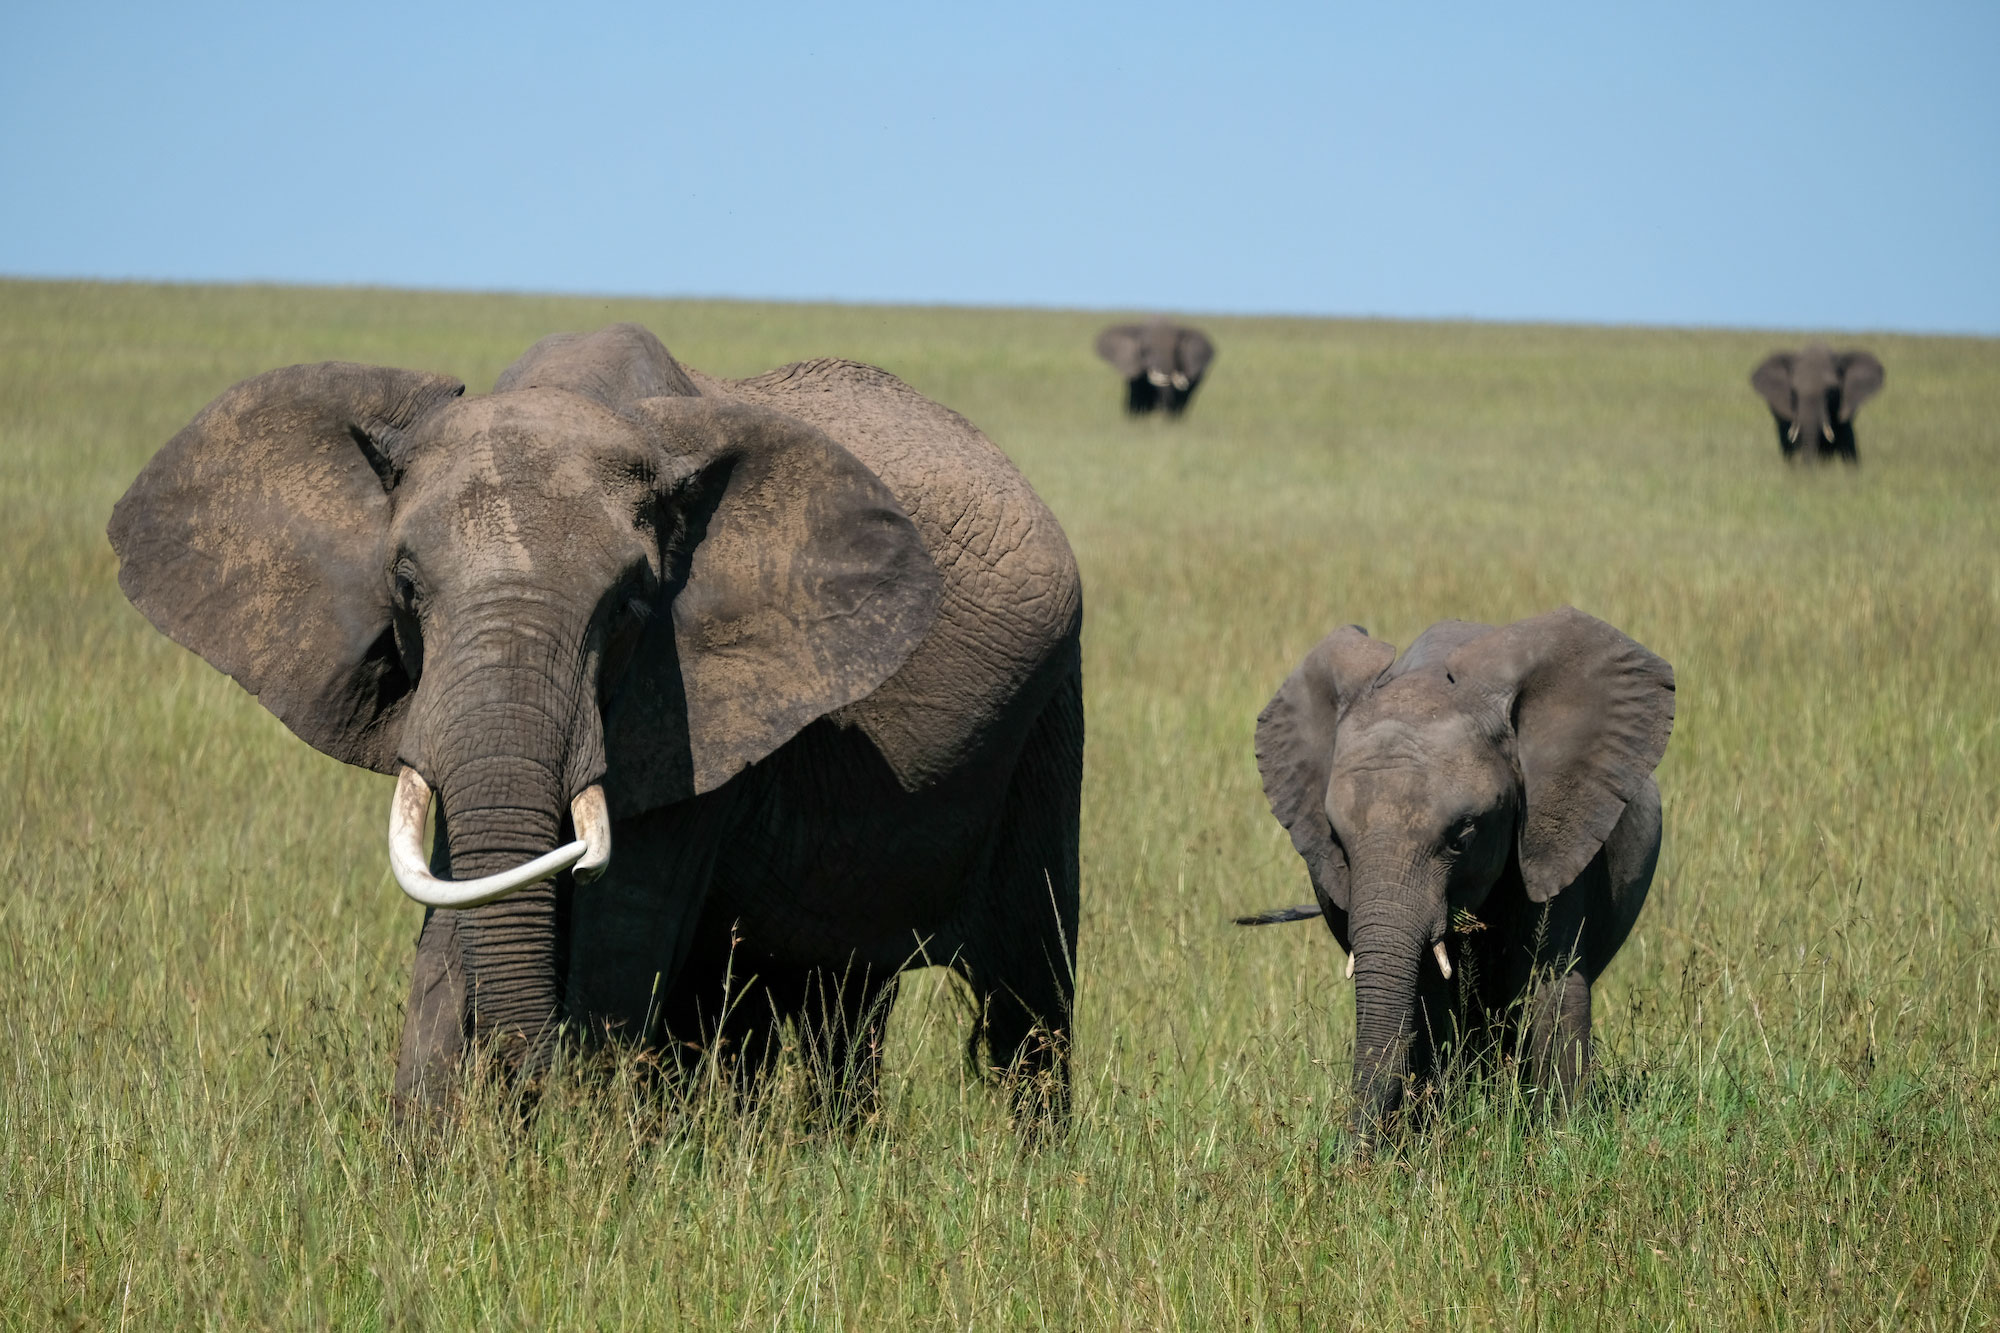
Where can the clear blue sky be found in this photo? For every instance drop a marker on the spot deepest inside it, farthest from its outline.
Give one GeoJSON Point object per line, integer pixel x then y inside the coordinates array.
{"type": "Point", "coordinates": [1830, 165]}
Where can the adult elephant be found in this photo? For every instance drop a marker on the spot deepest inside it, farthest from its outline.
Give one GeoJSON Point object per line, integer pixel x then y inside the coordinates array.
{"type": "Point", "coordinates": [802, 648]}
{"type": "Point", "coordinates": [1813, 395]}
{"type": "Point", "coordinates": [1162, 363]}
{"type": "Point", "coordinates": [1485, 802]}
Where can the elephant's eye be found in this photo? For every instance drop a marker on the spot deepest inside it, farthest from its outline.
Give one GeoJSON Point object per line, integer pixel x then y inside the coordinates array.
{"type": "Point", "coordinates": [1462, 840]}
{"type": "Point", "coordinates": [406, 592]}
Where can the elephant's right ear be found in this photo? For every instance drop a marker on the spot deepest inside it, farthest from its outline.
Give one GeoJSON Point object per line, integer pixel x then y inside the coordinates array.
{"type": "Point", "coordinates": [798, 586]}
{"type": "Point", "coordinates": [1861, 377]}
{"type": "Point", "coordinates": [1193, 352]}
{"type": "Point", "coordinates": [256, 538]}
{"type": "Point", "coordinates": [1295, 746]}
{"type": "Point", "coordinates": [1773, 382]}
{"type": "Point", "coordinates": [1591, 711]}
{"type": "Point", "coordinates": [1122, 346]}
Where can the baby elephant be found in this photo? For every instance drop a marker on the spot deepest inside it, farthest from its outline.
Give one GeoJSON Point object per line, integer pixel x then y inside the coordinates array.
{"type": "Point", "coordinates": [1814, 395]}
{"type": "Point", "coordinates": [1480, 823]}
{"type": "Point", "coordinates": [1162, 363]}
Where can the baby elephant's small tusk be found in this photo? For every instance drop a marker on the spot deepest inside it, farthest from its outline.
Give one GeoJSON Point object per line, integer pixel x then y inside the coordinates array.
{"type": "Point", "coordinates": [1444, 961]}
{"type": "Point", "coordinates": [1792, 432]}
{"type": "Point", "coordinates": [1827, 431]}
{"type": "Point", "coordinates": [1350, 967]}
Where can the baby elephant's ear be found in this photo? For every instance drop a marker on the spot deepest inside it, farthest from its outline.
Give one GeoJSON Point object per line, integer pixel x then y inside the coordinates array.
{"type": "Point", "coordinates": [1591, 712]}
{"type": "Point", "coordinates": [258, 538]}
{"type": "Point", "coordinates": [1295, 746]}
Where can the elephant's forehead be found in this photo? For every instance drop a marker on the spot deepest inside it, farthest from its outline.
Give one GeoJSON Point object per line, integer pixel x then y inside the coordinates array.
{"type": "Point", "coordinates": [1422, 721]}
{"type": "Point", "coordinates": [1813, 366]}
{"type": "Point", "coordinates": [536, 442]}
{"type": "Point", "coordinates": [520, 477]}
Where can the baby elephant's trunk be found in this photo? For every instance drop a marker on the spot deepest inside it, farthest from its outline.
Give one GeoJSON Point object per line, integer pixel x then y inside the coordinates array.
{"type": "Point", "coordinates": [1390, 949]}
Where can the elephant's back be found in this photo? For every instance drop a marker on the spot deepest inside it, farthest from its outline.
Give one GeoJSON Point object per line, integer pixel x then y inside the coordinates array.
{"type": "Point", "coordinates": [1012, 599]}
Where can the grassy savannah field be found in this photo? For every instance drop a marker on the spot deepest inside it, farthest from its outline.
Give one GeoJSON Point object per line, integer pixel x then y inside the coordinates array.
{"type": "Point", "coordinates": [1796, 1122]}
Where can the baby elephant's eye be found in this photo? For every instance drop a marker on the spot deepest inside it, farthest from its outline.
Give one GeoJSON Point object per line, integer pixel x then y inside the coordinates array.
{"type": "Point", "coordinates": [1462, 839]}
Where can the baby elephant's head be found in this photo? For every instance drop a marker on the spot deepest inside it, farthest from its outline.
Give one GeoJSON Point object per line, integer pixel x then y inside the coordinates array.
{"type": "Point", "coordinates": [1412, 785]}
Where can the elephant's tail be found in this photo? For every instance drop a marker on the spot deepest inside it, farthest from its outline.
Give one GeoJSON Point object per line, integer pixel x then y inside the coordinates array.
{"type": "Point", "coordinates": [1277, 916]}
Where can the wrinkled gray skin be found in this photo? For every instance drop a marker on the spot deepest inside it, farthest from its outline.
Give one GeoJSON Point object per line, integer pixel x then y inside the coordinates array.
{"type": "Point", "coordinates": [1814, 394]}
{"type": "Point", "coordinates": [1162, 363]}
{"type": "Point", "coordinates": [1501, 773]}
{"type": "Point", "coordinates": [812, 632]}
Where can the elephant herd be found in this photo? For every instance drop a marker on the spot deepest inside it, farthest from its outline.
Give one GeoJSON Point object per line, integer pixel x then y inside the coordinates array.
{"type": "Point", "coordinates": [716, 704]}
{"type": "Point", "coordinates": [1813, 393]}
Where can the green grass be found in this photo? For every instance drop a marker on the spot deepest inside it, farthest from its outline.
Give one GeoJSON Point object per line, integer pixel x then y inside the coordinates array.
{"type": "Point", "coordinates": [203, 962]}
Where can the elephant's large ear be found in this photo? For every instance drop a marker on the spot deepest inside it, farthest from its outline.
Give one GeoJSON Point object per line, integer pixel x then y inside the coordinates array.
{"type": "Point", "coordinates": [1193, 352]}
{"type": "Point", "coordinates": [257, 538]}
{"type": "Point", "coordinates": [1295, 746]}
{"type": "Point", "coordinates": [1591, 711]}
{"type": "Point", "coordinates": [1861, 377]}
{"type": "Point", "coordinates": [798, 585]}
{"type": "Point", "coordinates": [1122, 346]}
{"type": "Point", "coordinates": [1773, 382]}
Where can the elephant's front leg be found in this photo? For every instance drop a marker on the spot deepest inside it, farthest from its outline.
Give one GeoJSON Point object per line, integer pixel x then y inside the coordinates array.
{"type": "Point", "coordinates": [1559, 1036]}
{"type": "Point", "coordinates": [843, 1020]}
{"type": "Point", "coordinates": [629, 933]}
{"type": "Point", "coordinates": [434, 1021]}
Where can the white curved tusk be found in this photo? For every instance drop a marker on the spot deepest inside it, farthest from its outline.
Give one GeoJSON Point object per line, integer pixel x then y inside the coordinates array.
{"type": "Point", "coordinates": [593, 824]}
{"type": "Point", "coordinates": [1350, 967]}
{"type": "Point", "coordinates": [1444, 960]}
{"type": "Point", "coordinates": [1159, 379]}
{"type": "Point", "coordinates": [1826, 430]}
{"type": "Point", "coordinates": [1180, 380]}
{"type": "Point", "coordinates": [1792, 432]}
{"type": "Point", "coordinates": [411, 866]}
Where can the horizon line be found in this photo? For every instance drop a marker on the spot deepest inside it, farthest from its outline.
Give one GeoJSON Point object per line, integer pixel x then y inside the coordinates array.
{"type": "Point", "coordinates": [872, 303]}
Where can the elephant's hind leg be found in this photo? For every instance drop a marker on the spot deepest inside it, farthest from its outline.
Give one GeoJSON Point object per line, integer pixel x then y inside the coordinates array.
{"type": "Point", "coordinates": [1020, 940]}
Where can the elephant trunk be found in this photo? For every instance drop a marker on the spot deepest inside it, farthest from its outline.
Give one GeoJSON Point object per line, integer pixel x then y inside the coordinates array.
{"type": "Point", "coordinates": [509, 945]}
{"type": "Point", "coordinates": [1392, 928]}
{"type": "Point", "coordinates": [508, 744]}
{"type": "Point", "coordinates": [1814, 426]}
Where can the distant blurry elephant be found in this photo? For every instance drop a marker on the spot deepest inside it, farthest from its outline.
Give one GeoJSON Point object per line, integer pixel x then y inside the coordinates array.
{"type": "Point", "coordinates": [1485, 800]}
{"type": "Point", "coordinates": [1162, 363]}
{"type": "Point", "coordinates": [1814, 395]}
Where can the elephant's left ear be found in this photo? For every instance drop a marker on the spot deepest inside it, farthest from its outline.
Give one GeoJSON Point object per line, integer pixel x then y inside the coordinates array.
{"type": "Point", "coordinates": [1773, 382]}
{"type": "Point", "coordinates": [1861, 378]}
{"type": "Point", "coordinates": [1591, 711]}
{"type": "Point", "coordinates": [798, 585]}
